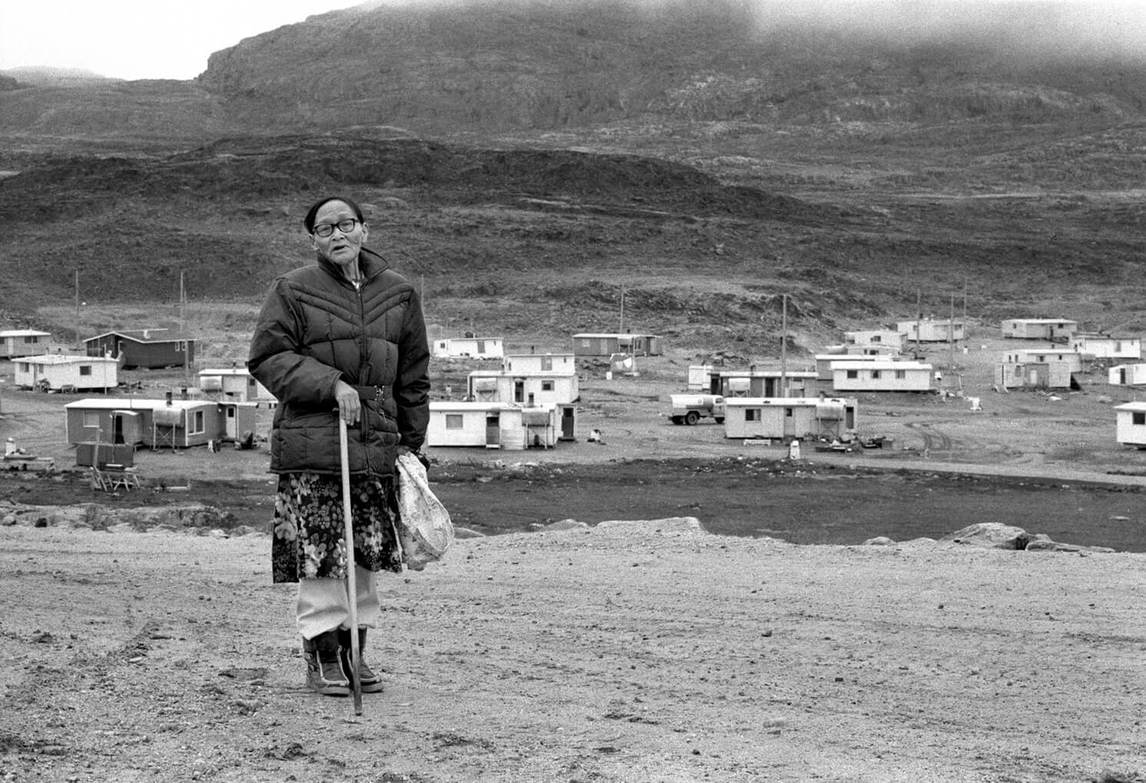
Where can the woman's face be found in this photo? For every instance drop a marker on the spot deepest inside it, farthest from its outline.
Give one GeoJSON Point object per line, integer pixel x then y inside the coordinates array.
{"type": "Point", "coordinates": [341, 247]}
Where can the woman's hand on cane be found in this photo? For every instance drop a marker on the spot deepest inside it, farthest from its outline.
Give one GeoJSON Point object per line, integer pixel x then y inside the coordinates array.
{"type": "Point", "coordinates": [349, 405]}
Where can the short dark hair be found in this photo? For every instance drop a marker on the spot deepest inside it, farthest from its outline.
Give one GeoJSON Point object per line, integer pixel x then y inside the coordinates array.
{"type": "Point", "coordinates": [308, 221]}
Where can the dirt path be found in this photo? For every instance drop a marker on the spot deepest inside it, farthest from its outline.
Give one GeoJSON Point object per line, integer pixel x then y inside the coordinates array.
{"type": "Point", "coordinates": [627, 652]}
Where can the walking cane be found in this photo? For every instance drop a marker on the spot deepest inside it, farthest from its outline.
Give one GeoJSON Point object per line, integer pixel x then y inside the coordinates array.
{"type": "Point", "coordinates": [351, 577]}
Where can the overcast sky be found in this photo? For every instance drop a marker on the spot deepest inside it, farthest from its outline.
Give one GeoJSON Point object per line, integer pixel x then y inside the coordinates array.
{"type": "Point", "coordinates": [172, 39]}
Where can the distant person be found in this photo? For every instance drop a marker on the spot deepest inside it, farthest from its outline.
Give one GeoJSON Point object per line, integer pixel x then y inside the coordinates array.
{"type": "Point", "coordinates": [343, 336]}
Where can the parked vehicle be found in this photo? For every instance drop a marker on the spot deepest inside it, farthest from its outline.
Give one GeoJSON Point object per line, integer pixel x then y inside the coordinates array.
{"type": "Point", "coordinates": [691, 408]}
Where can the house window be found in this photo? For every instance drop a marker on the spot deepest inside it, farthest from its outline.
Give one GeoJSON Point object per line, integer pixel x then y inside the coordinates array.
{"type": "Point", "coordinates": [454, 421]}
{"type": "Point", "coordinates": [198, 423]}
{"type": "Point", "coordinates": [853, 374]}
{"type": "Point", "coordinates": [85, 369]}
{"type": "Point", "coordinates": [547, 386]}
{"type": "Point", "coordinates": [875, 338]}
{"type": "Point", "coordinates": [25, 367]}
{"type": "Point", "coordinates": [875, 375]}
{"type": "Point", "coordinates": [752, 414]}
{"type": "Point", "coordinates": [900, 374]}
{"type": "Point", "coordinates": [1138, 418]}
{"type": "Point", "coordinates": [547, 364]}
{"type": "Point", "coordinates": [31, 339]}
{"type": "Point", "coordinates": [481, 346]}
{"type": "Point", "coordinates": [91, 420]}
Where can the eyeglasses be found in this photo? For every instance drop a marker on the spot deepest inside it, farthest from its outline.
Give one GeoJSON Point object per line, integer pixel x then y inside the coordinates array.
{"type": "Point", "coordinates": [326, 229]}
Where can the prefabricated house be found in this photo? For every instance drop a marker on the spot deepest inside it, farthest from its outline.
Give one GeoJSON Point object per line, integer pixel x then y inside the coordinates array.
{"type": "Point", "coordinates": [788, 417]}
{"type": "Point", "coordinates": [1072, 359]}
{"type": "Point", "coordinates": [862, 349]}
{"type": "Point", "coordinates": [1130, 424]}
{"type": "Point", "coordinates": [870, 337]}
{"type": "Point", "coordinates": [23, 342]}
{"type": "Point", "coordinates": [468, 348]}
{"type": "Point", "coordinates": [590, 344]}
{"type": "Point", "coordinates": [499, 425]}
{"type": "Point", "coordinates": [57, 372]}
{"type": "Point", "coordinates": [880, 374]}
{"type": "Point", "coordinates": [824, 362]}
{"type": "Point", "coordinates": [1105, 346]}
{"type": "Point", "coordinates": [148, 348]}
{"type": "Point", "coordinates": [535, 388]}
{"type": "Point", "coordinates": [548, 363]}
{"type": "Point", "coordinates": [1053, 374]}
{"type": "Point", "coordinates": [756, 382]}
{"type": "Point", "coordinates": [1127, 375]}
{"type": "Point", "coordinates": [1053, 329]}
{"type": "Point", "coordinates": [235, 383]}
{"type": "Point", "coordinates": [158, 424]}
{"type": "Point", "coordinates": [932, 330]}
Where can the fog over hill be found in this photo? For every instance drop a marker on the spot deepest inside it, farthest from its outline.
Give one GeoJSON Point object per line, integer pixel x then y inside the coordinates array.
{"type": "Point", "coordinates": [709, 157]}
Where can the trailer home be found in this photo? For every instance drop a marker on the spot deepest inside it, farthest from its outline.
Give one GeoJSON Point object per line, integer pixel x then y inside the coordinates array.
{"type": "Point", "coordinates": [1105, 346]}
{"type": "Point", "coordinates": [889, 338]}
{"type": "Point", "coordinates": [1127, 375]}
{"type": "Point", "coordinates": [234, 383]}
{"type": "Point", "coordinates": [499, 425]}
{"type": "Point", "coordinates": [174, 424]}
{"type": "Point", "coordinates": [600, 344]}
{"type": "Point", "coordinates": [23, 342]}
{"type": "Point", "coordinates": [932, 330]}
{"type": "Point", "coordinates": [546, 363]}
{"type": "Point", "coordinates": [147, 348]}
{"type": "Point", "coordinates": [1070, 358]}
{"type": "Point", "coordinates": [1052, 329]}
{"type": "Point", "coordinates": [788, 418]}
{"type": "Point", "coordinates": [756, 382]}
{"type": "Point", "coordinates": [468, 348]}
{"type": "Point", "coordinates": [522, 388]}
{"type": "Point", "coordinates": [1130, 424]}
{"type": "Point", "coordinates": [1035, 375]}
{"type": "Point", "coordinates": [878, 374]}
{"type": "Point", "coordinates": [56, 372]}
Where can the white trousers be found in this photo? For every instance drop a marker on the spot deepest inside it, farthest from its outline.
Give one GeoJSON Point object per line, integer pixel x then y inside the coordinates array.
{"type": "Point", "coordinates": [323, 604]}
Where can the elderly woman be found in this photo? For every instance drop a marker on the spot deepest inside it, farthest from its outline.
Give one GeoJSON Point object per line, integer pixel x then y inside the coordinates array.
{"type": "Point", "coordinates": [344, 336]}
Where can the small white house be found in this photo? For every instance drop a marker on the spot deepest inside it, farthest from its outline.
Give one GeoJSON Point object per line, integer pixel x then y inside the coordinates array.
{"type": "Point", "coordinates": [1031, 374]}
{"type": "Point", "coordinates": [1053, 329]}
{"type": "Point", "coordinates": [1127, 375]}
{"type": "Point", "coordinates": [890, 338]}
{"type": "Point", "coordinates": [862, 349]}
{"type": "Point", "coordinates": [468, 348]}
{"type": "Point", "coordinates": [23, 342]}
{"type": "Point", "coordinates": [609, 343]}
{"type": "Point", "coordinates": [547, 363]}
{"type": "Point", "coordinates": [788, 417]}
{"type": "Point", "coordinates": [932, 330]}
{"type": "Point", "coordinates": [1072, 359]}
{"type": "Point", "coordinates": [880, 374]}
{"type": "Point", "coordinates": [1130, 424]}
{"type": "Point", "coordinates": [57, 372]}
{"type": "Point", "coordinates": [1105, 346]}
{"type": "Point", "coordinates": [497, 425]}
{"type": "Point", "coordinates": [234, 383]}
{"type": "Point", "coordinates": [524, 388]}
{"type": "Point", "coordinates": [759, 382]}
{"type": "Point", "coordinates": [824, 362]}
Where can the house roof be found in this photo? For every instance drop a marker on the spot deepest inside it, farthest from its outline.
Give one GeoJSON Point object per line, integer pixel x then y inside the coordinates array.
{"type": "Point", "coordinates": [786, 402]}
{"type": "Point", "coordinates": [129, 403]}
{"type": "Point", "coordinates": [146, 336]}
{"type": "Point", "coordinates": [614, 334]}
{"type": "Point", "coordinates": [1039, 321]}
{"type": "Point", "coordinates": [24, 333]}
{"type": "Point", "coordinates": [1131, 406]}
{"type": "Point", "coordinates": [880, 365]}
{"type": "Point", "coordinates": [56, 358]}
{"type": "Point", "coordinates": [226, 371]}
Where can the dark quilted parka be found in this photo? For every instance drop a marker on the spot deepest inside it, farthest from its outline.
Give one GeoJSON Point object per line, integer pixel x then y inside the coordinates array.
{"type": "Point", "coordinates": [315, 328]}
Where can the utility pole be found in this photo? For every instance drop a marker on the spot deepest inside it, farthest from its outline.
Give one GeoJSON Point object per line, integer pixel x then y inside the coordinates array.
{"type": "Point", "coordinates": [918, 318]}
{"type": "Point", "coordinates": [621, 330]}
{"type": "Point", "coordinates": [784, 347]}
{"type": "Point", "coordinates": [77, 320]}
{"type": "Point", "coordinates": [951, 335]}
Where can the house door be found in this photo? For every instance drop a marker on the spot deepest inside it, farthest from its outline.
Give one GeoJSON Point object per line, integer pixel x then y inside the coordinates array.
{"type": "Point", "coordinates": [229, 428]}
{"type": "Point", "coordinates": [117, 429]}
{"type": "Point", "coordinates": [1122, 377]}
{"type": "Point", "coordinates": [568, 423]}
{"type": "Point", "coordinates": [492, 430]}
{"type": "Point", "coordinates": [519, 390]}
{"type": "Point", "coordinates": [789, 423]}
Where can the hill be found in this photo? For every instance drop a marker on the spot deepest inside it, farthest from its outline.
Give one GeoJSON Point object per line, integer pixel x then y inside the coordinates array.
{"type": "Point", "coordinates": [528, 161]}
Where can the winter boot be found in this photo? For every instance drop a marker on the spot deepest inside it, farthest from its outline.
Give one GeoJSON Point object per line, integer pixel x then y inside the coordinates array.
{"type": "Point", "coordinates": [368, 680]}
{"type": "Point", "coordinates": [323, 665]}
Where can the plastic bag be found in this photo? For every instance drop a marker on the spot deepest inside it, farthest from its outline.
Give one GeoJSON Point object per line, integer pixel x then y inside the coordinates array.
{"type": "Point", "coordinates": [425, 531]}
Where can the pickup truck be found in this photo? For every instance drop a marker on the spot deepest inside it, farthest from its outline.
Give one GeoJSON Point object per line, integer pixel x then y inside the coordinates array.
{"type": "Point", "coordinates": [691, 408]}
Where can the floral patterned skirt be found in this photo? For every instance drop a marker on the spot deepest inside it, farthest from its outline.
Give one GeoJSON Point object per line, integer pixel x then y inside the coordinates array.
{"type": "Point", "coordinates": [309, 531]}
